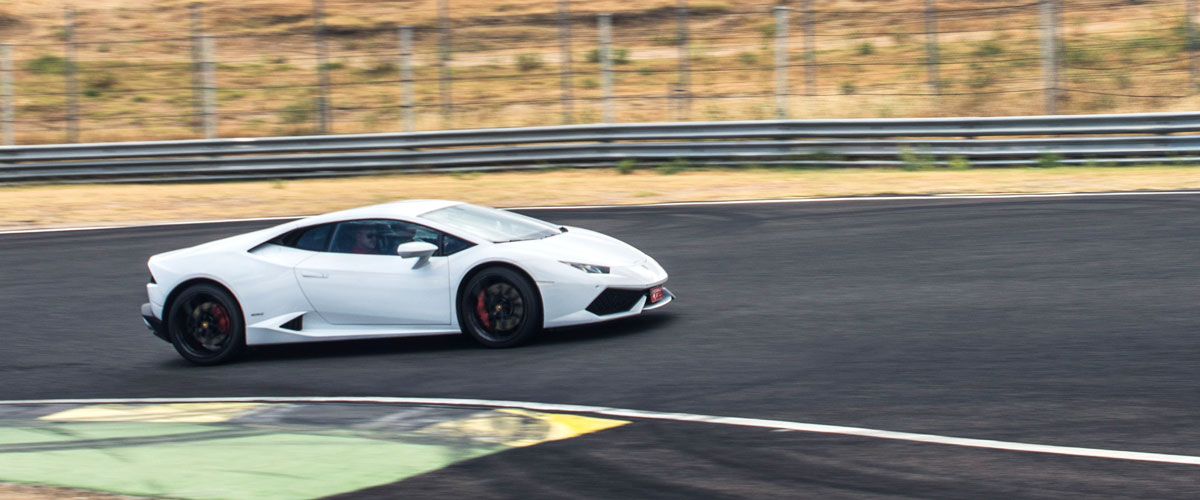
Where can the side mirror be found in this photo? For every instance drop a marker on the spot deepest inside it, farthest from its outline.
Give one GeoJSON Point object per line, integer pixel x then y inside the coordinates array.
{"type": "Point", "coordinates": [420, 249]}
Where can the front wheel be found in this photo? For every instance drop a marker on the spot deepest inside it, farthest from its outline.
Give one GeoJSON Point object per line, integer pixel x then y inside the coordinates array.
{"type": "Point", "coordinates": [499, 308]}
{"type": "Point", "coordinates": [205, 325]}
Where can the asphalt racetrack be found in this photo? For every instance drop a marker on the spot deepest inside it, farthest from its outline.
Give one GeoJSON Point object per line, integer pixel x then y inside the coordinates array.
{"type": "Point", "coordinates": [1059, 321]}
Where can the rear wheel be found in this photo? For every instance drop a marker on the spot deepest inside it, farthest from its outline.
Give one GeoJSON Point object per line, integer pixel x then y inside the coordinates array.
{"type": "Point", "coordinates": [499, 308]}
{"type": "Point", "coordinates": [205, 325]}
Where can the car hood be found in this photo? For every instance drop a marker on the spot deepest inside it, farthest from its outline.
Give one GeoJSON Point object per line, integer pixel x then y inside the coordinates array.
{"type": "Point", "coordinates": [583, 246]}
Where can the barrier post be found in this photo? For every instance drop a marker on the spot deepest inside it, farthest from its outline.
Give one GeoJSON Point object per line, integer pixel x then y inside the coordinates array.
{"type": "Point", "coordinates": [323, 103]}
{"type": "Point", "coordinates": [72, 118]}
{"type": "Point", "coordinates": [781, 62]}
{"type": "Point", "coordinates": [406, 78]}
{"type": "Point", "coordinates": [606, 77]}
{"type": "Point", "coordinates": [209, 78]}
{"type": "Point", "coordinates": [564, 64]}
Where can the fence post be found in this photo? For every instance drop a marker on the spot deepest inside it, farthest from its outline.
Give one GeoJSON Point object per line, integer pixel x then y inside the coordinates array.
{"type": "Point", "coordinates": [1049, 55]}
{"type": "Point", "coordinates": [781, 62]}
{"type": "Point", "coordinates": [195, 14]}
{"type": "Point", "coordinates": [6, 93]}
{"type": "Point", "coordinates": [323, 103]}
{"type": "Point", "coordinates": [684, 90]}
{"type": "Point", "coordinates": [72, 79]}
{"type": "Point", "coordinates": [443, 13]}
{"type": "Point", "coordinates": [564, 48]}
{"type": "Point", "coordinates": [209, 77]}
{"type": "Point", "coordinates": [406, 77]}
{"type": "Point", "coordinates": [810, 51]}
{"type": "Point", "coordinates": [931, 47]}
{"type": "Point", "coordinates": [606, 77]}
{"type": "Point", "coordinates": [1190, 26]}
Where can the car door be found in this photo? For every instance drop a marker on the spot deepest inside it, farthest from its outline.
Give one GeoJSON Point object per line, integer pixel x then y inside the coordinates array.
{"type": "Point", "coordinates": [361, 281]}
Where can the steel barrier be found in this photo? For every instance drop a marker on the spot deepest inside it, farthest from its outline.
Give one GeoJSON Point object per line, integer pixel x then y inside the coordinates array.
{"type": "Point", "coordinates": [994, 141]}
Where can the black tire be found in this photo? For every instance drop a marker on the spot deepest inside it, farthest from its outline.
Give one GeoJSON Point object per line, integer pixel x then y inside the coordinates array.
{"type": "Point", "coordinates": [205, 325]}
{"type": "Point", "coordinates": [499, 308]}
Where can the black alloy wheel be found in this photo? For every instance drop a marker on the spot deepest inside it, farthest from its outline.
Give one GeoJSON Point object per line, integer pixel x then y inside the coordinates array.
{"type": "Point", "coordinates": [205, 325]}
{"type": "Point", "coordinates": [500, 308]}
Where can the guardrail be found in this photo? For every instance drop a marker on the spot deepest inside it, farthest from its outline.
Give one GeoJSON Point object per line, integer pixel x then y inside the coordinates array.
{"type": "Point", "coordinates": [860, 142]}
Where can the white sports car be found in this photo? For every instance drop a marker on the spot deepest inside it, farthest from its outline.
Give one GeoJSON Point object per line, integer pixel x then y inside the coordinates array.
{"type": "Point", "coordinates": [418, 267]}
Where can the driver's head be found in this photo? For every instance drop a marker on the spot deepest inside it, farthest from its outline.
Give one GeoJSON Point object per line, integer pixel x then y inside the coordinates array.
{"type": "Point", "coordinates": [364, 237]}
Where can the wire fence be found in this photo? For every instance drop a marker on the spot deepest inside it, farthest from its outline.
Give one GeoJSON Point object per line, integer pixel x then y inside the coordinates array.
{"type": "Point", "coordinates": [221, 70]}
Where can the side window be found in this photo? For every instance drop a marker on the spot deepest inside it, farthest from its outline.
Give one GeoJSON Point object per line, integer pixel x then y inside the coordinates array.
{"type": "Point", "coordinates": [365, 237]}
{"type": "Point", "coordinates": [381, 237]}
{"type": "Point", "coordinates": [315, 238]}
{"type": "Point", "coordinates": [453, 244]}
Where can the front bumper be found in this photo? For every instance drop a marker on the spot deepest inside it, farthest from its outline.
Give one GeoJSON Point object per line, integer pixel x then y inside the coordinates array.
{"type": "Point", "coordinates": [153, 323]}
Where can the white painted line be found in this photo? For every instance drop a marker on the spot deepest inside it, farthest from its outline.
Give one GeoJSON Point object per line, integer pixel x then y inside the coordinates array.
{"type": "Point", "coordinates": [664, 204]}
{"type": "Point", "coordinates": [156, 224]}
{"type": "Point", "coordinates": [677, 417]}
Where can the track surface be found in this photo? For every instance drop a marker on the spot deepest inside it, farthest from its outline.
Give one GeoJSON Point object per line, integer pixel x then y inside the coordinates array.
{"type": "Point", "coordinates": [1055, 321]}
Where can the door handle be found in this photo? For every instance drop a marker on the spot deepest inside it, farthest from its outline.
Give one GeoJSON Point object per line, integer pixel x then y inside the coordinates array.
{"type": "Point", "coordinates": [313, 274]}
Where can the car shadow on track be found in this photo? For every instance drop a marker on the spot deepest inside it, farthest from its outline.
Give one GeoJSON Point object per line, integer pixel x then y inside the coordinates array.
{"type": "Point", "coordinates": [370, 347]}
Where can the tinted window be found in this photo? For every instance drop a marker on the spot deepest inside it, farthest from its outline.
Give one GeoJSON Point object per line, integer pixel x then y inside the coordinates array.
{"type": "Point", "coordinates": [378, 237]}
{"type": "Point", "coordinates": [314, 238]}
{"type": "Point", "coordinates": [453, 244]}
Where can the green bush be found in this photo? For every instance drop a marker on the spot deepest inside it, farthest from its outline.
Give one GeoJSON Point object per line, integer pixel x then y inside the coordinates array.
{"type": "Point", "coordinates": [866, 49]}
{"type": "Point", "coordinates": [627, 166]}
{"type": "Point", "coordinates": [848, 88]}
{"type": "Point", "coordinates": [47, 65]}
{"type": "Point", "coordinates": [619, 56]}
{"type": "Point", "coordinates": [297, 112]}
{"type": "Point", "coordinates": [673, 167]}
{"type": "Point", "coordinates": [988, 48]}
{"type": "Point", "coordinates": [959, 163]}
{"type": "Point", "coordinates": [528, 62]}
{"type": "Point", "coordinates": [748, 58]}
{"type": "Point", "coordinates": [1048, 160]}
{"type": "Point", "coordinates": [915, 160]}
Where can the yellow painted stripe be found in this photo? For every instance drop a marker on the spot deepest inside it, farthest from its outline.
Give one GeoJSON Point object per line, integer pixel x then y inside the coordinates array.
{"type": "Point", "coordinates": [196, 413]}
{"type": "Point", "coordinates": [518, 428]}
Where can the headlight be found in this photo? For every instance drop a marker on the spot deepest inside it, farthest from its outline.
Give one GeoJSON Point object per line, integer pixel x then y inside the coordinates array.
{"type": "Point", "coordinates": [588, 268]}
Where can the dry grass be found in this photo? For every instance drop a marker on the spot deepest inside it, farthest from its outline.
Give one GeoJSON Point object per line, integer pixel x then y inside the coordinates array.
{"type": "Point", "coordinates": [50, 206]}
{"type": "Point", "coordinates": [1118, 47]}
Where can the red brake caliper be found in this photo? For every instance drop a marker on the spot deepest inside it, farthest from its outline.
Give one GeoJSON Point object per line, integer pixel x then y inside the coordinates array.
{"type": "Point", "coordinates": [481, 311]}
{"type": "Point", "coordinates": [222, 318]}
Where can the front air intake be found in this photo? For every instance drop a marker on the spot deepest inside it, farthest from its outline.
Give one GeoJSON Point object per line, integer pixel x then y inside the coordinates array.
{"type": "Point", "coordinates": [615, 300]}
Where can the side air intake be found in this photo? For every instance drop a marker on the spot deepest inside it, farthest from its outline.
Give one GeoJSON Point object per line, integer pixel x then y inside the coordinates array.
{"type": "Point", "coordinates": [295, 324]}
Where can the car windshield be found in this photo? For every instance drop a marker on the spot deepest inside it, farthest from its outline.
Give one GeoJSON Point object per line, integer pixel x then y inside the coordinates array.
{"type": "Point", "coordinates": [497, 226]}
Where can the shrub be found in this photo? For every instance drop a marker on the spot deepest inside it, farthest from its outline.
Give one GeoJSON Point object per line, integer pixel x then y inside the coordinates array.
{"type": "Point", "coordinates": [330, 66]}
{"type": "Point", "coordinates": [988, 48]}
{"type": "Point", "coordinates": [297, 112]}
{"type": "Point", "coordinates": [959, 163]}
{"type": "Point", "coordinates": [619, 56]}
{"type": "Point", "coordinates": [1048, 160]}
{"type": "Point", "coordinates": [866, 49]}
{"type": "Point", "coordinates": [528, 62]}
{"type": "Point", "coordinates": [848, 88]}
{"type": "Point", "coordinates": [47, 65]}
{"type": "Point", "coordinates": [673, 167]}
{"type": "Point", "coordinates": [626, 166]}
{"type": "Point", "coordinates": [915, 160]}
{"type": "Point", "coordinates": [748, 58]}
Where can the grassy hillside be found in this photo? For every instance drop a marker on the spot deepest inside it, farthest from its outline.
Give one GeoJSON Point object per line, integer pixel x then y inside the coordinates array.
{"type": "Point", "coordinates": [134, 62]}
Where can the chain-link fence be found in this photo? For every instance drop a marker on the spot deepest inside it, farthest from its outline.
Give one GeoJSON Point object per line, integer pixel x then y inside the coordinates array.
{"type": "Point", "coordinates": [337, 66]}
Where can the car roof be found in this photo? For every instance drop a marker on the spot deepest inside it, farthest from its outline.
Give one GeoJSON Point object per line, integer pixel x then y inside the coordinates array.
{"type": "Point", "coordinates": [406, 209]}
